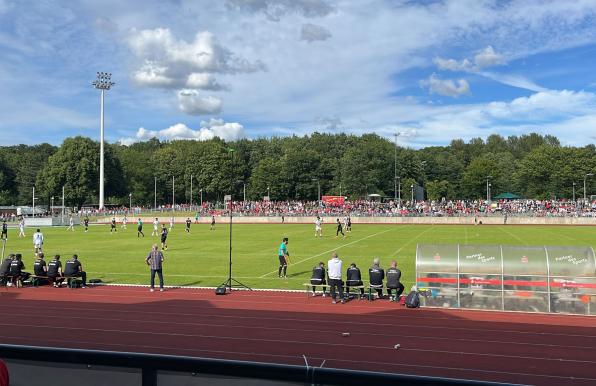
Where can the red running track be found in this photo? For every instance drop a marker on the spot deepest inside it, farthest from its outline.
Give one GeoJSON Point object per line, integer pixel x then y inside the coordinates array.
{"type": "Point", "coordinates": [282, 327]}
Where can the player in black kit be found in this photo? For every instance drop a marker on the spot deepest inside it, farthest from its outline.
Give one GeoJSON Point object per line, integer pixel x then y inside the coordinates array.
{"type": "Point", "coordinates": [86, 222]}
{"type": "Point", "coordinates": [113, 225]}
{"type": "Point", "coordinates": [339, 229]}
{"type": "Point", "coordinates": [4, 231]}
{"type": "Point", "coordinates": [188, 222]}
{"type": "Point", "coordinates": [164, 237]}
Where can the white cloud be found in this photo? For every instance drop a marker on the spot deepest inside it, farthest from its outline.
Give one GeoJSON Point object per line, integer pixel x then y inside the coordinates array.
{"type": "Point", "coordinates": [488, 58]}
{"type": "Point", "coordinates": [446, 87]}
{"type": "Point", "coordinates": [228, 131]}
{"type": "Point", "coordinates": [274, 10]}
{"type": "Point", "coordinates": [194, 103]}
{"type": "Point", "coordinates": [312, 33]}
{"type": "Point", "coordinates": [484, 58]}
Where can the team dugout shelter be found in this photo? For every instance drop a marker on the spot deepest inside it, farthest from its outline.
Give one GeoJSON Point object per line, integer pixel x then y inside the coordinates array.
{"type": "Point", "coordinates": [557, 279]}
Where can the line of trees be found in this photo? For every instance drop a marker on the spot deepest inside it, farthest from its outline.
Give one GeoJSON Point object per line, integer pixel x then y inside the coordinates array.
{"type": "Point", "coordinates": [532, 165]}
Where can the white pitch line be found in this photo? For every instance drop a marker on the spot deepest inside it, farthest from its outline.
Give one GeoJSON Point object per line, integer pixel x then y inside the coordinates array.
{"type": "Point", "coordinates": [331, 250]}
{"type": "Point", "coordinates": [411, 240]}
{"type": "Point", "coordinates": [513, 235]}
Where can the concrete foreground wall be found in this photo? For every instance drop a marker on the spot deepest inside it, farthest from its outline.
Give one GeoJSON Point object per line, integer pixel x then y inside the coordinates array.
{"type": "Point", "coordinates": [494, 220]}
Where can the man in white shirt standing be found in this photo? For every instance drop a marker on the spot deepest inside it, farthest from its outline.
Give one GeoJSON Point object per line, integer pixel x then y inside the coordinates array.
{"type": "Point", "coordinates": [334, 269]}
{"type": "Point", "coordinates": [38, 242]}
{"type": "Point", "coordinates": [70, 224]}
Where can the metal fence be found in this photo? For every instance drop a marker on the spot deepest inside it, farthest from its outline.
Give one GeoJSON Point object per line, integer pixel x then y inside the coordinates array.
{"type": "Point", "coordinates": [30, 365]}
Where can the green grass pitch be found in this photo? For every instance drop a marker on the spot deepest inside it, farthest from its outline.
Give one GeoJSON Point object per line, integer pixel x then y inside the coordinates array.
{"type": "Point", "coordinates": [201, 257]}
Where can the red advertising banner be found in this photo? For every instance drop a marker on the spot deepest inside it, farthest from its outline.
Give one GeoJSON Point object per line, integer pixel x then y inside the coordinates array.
{"type": "Point", "coordinates": [333, 200]}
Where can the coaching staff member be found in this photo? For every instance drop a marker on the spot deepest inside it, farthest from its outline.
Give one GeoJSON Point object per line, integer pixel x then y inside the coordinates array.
{"type": "Point", "coordinates": [376, 275]}
{"type": "Point", "coordinates": [393, 276]}
{"type": "Point", "coordinates": [55, 271]}
{"type": "Point", "coordinates": [318, 278]}
{"type": "Point", "coordinates": [284, 257]}
{"type": "Point", "coordinates": [354, 278]}
{"type": "Point", "coordinates": [334, 268]}
{"type": "Point", "coordinates": [73, 268]}
{"type": "Point", "coordinates": [155, 261]}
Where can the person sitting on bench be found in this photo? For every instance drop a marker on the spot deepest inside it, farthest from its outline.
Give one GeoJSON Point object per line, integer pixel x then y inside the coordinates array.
{"type": "Point", "coordinates": [16, 269]}
{"type": "Point", "coordinates": [5, 268]}
{"type": "Point", "coordinates": [40, 269]}
{"type": "Point", "coordinates": [376, 275]}
{"type": "Point", "coordinates": [353, 279]}
{"type": "Point", "coordinates": [55, 271]}
{"type": "Point", "coordinates": [393, 281]}
{"type": "Point", "coordinates": [74, 268]}
{"type": "Point", "coordinates": [318, 278]}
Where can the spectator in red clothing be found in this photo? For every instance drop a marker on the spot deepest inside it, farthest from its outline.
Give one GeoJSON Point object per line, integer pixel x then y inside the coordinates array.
{"type": "Point", "coordinates": [4, 381]}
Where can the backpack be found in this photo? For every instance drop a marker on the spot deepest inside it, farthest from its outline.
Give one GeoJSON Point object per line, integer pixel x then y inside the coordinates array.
{"type": "Point", "coordinates": [413, 300]}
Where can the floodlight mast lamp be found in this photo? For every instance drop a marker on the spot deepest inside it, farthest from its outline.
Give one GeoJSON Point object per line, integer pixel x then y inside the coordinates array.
{"type": "Point", "coordinates": [102, 83]}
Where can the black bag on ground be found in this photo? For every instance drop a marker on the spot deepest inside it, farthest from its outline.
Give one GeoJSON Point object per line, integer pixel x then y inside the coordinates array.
{"type": "Point", "coordinates": [413, 300]}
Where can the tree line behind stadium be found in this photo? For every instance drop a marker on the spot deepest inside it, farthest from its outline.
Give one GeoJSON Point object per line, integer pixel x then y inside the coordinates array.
{"type": "Point", "coordinates": [290, 168]}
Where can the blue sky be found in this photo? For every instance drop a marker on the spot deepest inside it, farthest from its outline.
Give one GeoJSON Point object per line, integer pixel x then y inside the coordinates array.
{"type": "Point", "coordinates": [430, 71]}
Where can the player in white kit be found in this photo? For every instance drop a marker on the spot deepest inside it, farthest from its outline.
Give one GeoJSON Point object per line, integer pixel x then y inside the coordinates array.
{"type": "Point", "coordinates": [22, 228]}
{"type": "Point", "coordinates": [124, 221]}
{"type": "Point", "coordinates": [70, 224]}
{"type": "Point", "coordinates": [155, 227]}
{"type": "Point", "coordinates": [318, 227]}
{"type": "Point", "coordinates": [171, 223]}
{"type": "Point", "coordinates": [38, 242]}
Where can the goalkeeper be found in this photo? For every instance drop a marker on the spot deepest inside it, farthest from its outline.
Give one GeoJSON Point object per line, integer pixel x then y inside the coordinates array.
{"type": "Point", "coordinates": [284, 257]}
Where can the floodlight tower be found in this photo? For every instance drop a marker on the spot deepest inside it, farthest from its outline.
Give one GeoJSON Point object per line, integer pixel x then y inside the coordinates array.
{"type": "Point", "coordinates": [102, 83]}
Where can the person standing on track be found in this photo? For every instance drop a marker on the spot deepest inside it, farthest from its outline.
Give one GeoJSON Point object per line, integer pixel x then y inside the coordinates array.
{"type": "Point", "coordinates": [140, 228]}
{"type": "Point", "coordinates": [155, 261]}
{"type": "Point", "coordinates": [284, 257]}
{"type": "Point", "coordinates": [334, 268]}
{"type": "Point", "coordinates": [318, 227]}
{"type": "Point", "coordinates": [188, 222]}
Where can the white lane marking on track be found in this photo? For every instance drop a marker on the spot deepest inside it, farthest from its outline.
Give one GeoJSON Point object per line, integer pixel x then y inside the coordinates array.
{"type": "Point", "coordinates": [330, 250]}
{"type": "Point", "coordinates": [317, 330]}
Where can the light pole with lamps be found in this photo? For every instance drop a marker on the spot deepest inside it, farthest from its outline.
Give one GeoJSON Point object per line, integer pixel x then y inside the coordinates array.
{"type": "Point", "coordinates": [488, 187]}
{"type": "Point", "coordinates": [412, 187]}
{"type": "Point", "coordinates": [395, 167]}
{"type": "Point", "coordinates": [130, 202]}
{"type": "Point", "coordinates": [103, 83]}
{"type": "Point", "coordinates": [269, 197]}
{"type": "Point", "coordinates": [318, 189]}
{"type": "Point", "coordinates": [191, 192]}
{"type": "Point", "coordinates": [154, 193]}
{"type": "Point", "coordinates": [573, 191]}
{"type": "Point", "coordinates": [52, 207]}
{"type": "Point", "coordinates": [398, 190]}
{"type": "Point", "coordinates": [585, 195]}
